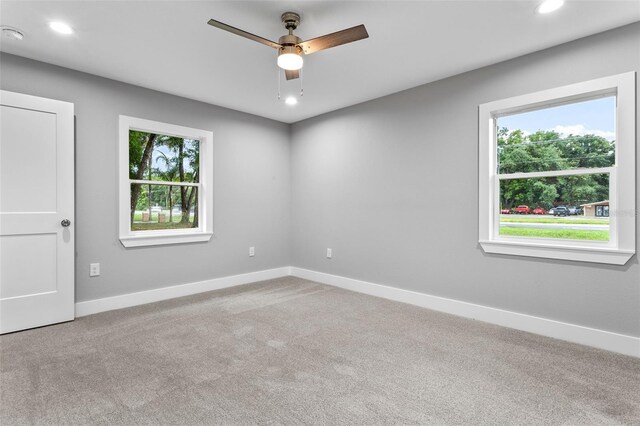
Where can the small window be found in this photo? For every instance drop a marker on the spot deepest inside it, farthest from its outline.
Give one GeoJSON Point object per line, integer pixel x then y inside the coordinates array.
{"type": "Point", "coordinates": [165, 183]}
{"type": "Point", "coordinates": [552, 165]}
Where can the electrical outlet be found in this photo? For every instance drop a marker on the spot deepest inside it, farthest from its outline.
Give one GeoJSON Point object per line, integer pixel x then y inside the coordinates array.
{"type": "Point", "coordinates": [329, 253]}
{"type": "Point", "coordinates": [252, 251]}
{"type": "Point", "coordinates": [94, 269]}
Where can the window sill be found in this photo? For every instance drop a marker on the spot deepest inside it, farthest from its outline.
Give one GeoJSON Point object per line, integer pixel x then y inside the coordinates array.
{"type": "Point", "coordinates": [156, 240]}
{"type": "Point", "coordinates": [551, 251]}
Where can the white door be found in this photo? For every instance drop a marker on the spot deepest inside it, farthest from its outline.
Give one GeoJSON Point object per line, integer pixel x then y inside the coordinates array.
{"type": "Point", "coordinates": [36, 212]}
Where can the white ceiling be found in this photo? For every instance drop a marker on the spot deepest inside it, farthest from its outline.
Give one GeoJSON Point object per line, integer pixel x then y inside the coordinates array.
{"type": "Point", "coordinates": [168, 46]}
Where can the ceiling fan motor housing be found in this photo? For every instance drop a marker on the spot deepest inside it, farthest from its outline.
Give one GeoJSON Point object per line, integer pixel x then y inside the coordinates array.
{"type": "Point", "coordinates": [289, 40]}
{"type": "Point", "coordinates": [291, 20]}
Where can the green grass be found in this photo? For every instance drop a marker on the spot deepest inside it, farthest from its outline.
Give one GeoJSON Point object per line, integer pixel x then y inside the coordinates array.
{"type": "Point", "coordinates": [565, 220]}
{"type": "Point", "coordinates": [154, 226]}
{"type": "Point", "coordinates": [571, 234]}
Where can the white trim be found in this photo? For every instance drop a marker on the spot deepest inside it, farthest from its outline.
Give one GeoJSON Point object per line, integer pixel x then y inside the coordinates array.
{"type": "Point", "coordinates": [583, 91]}
{"type": "Point", "coordinates": [627, 345]}
{"type": "Point", "coordinates": [622, 223]}
{"type": "Point", "coordinates": [164, 183]}
{"type": "Point", "coordinates": [555, 251]}
{"type": "Point", "coordinates": [204, 233]}
{"type": "Point", "coordinates": [157, 238]}
{"type": "Point", "coordinates": [149, 296]}
{"type": "Point", "coordinates": [624, 208]}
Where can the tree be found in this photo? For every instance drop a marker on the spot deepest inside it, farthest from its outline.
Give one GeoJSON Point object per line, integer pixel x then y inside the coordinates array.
{"type": "Point", "coordinates": [547, 150]}
{"type": "Point", "coordinates": [181, 164]}
{"type": "Point", "coordinates": [169, 174]}
{"type": "Point", "coordinates": [140, 152]}
{"type": "Point", "coordinates": [588, 151]}
{"type": "Point", "coordinates": [185, 152]}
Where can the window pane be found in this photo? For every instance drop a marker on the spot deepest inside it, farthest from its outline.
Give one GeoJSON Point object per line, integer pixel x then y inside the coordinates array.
{"type": "Point", "coordinates": [158, 157]}
{"type": "Point", "coordinates": [572, 136]}
{"type": "Point", "coordinates": [571, 207]}
{"type": "Point", "coordinates": [164, 207]}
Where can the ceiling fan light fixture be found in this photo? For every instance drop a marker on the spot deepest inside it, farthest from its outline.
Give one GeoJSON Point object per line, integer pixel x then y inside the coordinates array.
{"type": "Point", "coordinates": [289, 58]}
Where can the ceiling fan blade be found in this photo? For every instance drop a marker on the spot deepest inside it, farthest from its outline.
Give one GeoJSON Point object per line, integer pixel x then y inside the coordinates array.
{"type": "Point", "coordinates": [243, 33]}
{"type": "Point", "coordinates": [292, 74]}
{"type": "Point", "coordinates": [334, 39]}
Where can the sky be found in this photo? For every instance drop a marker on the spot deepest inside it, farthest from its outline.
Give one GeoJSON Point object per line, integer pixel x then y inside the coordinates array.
{"type": "Point", "coordinates": [595, 116]}
{"type": "Point", "coordinates": [161, 165]}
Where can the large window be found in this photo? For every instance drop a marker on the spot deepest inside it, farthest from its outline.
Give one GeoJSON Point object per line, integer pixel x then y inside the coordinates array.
{"type": "Point", "coordinates": [165, 183]}
{"type": "Point", "coordinates": [557, 172]}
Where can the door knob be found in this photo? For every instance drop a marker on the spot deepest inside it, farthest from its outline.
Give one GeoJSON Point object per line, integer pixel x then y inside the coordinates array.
{"type": "Point", "coordinates": [65, 223]}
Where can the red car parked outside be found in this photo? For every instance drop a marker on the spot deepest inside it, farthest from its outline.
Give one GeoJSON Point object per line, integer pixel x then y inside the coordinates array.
{"type": "Point", "coordinates": [539, 210]}
{"type": "Point", "coordinates": [522, 210]}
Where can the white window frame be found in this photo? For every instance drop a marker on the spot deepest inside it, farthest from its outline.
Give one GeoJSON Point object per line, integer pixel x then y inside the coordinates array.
{"type": "Point", "coordinates": [204, 232]}
{"type": "Point", "coordinates": [622, 210]}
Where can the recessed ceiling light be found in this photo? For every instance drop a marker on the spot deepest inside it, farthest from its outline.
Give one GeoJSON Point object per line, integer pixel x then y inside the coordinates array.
{"type": "Point", "coordinates": [548, 6]}
{"type": "Point", "coordinates": [61, 27]}
{"type": "Point", "coordinates": [12, 33]}
{"type": "Point", "coordinates": [291, 100]}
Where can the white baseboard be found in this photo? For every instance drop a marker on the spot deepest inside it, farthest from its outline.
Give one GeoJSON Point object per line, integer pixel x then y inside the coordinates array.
{"type": "Point", "coordinates": [627, 345]}
{"type": "Point", "coordinates": [140, 298]}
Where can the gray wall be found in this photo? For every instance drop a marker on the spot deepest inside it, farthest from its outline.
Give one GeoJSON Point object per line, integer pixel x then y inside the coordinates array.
{"type": "Point", "coordinates": [251, 183]}
{"type": "Point", "coordinates": [391, 186]}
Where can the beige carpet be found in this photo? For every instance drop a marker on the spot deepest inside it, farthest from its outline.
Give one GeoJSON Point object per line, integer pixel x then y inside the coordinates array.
{"type": "Point", "coordinates": [290, 351]}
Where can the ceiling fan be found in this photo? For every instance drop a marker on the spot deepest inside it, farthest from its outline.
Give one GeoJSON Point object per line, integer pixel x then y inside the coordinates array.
{"type": "Point", "coordinates": [291, 48]}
